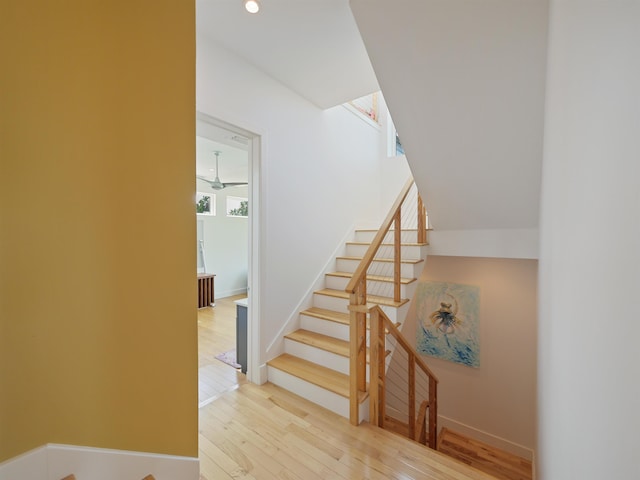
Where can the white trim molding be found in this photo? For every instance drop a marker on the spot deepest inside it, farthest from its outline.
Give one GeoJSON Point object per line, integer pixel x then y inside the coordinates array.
{"type": "Point", "coordinates": [55, 461]}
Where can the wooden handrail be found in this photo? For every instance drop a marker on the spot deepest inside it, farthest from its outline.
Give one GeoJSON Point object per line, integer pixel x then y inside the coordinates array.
{"type": "Point", "coordinates": [357, 290]}
{"type": "Point", "coordinates": [393, 330]}
{"type": "Point", "coordinates": [380, 324]}
{"type": "Point", "coordinates": [361, 271]}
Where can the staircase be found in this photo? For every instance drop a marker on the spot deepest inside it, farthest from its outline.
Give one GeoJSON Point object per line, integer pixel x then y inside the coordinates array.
{"type": "Point", "coordinates": [316, 361]}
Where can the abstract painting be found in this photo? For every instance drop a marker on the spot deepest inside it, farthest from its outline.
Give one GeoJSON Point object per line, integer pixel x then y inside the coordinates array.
{"type": "Point", "coordinates": [448, 322]}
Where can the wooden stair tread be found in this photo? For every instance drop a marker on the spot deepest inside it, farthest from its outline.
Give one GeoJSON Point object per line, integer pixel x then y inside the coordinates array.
{"type": "Point", "coordinates": [402, 244]}
{"type": "Point", "coordinates": [379, 259]}
{"type": "Point", "coordinates": [324, 377]}
{"type": "Point", "coordinates": [333, 316]}
{"type": "Point", "coordinates": [375, 230]}
{"type": "Point", "coordinates": [323, 342]}
{"type": "Point", "coordinates": [325, 314]}
{"type": "Point", "coordinates": [375, 278]}
{"type": "Point", "coordinates": [370, 298]}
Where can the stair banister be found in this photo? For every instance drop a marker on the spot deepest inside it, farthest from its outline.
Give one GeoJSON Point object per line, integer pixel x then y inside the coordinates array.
{"type": "Point", "coordinates": [357, 290]}
{"type": "Point", "coordinates": [394, 215]}
{"type": "Point", "coordinates": [380, 325]}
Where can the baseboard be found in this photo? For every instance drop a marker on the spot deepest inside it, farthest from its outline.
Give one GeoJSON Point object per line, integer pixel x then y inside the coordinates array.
{"type": "Point", "coordinates": [54, 461]}
{"type": "Point", "coordinates": [231, 293]}
{"type": "Point", "coordinates": [31, 465]}
{"type": "Point", "coordinates": [263, 374]}
{"type": "Point", "coordinates": [485, 437]}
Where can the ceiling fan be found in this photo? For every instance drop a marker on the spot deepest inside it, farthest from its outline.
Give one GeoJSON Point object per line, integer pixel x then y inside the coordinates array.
{"type": "Point", "coordinates": [217, 184]}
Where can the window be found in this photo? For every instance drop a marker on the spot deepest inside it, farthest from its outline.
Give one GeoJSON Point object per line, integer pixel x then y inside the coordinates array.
{"type": "Point", "coordinates": [394, 146]}
{"type": "Point", "coordinates": [366, 108]}
{"type": "Point", "coordinates": [205, 203]}
{"type": "Point", "coordinates": [237, 207]}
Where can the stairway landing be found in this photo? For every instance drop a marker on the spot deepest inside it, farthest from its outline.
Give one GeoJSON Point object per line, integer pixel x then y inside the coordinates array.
{"type": "Point", "coordinates": [502, 465]}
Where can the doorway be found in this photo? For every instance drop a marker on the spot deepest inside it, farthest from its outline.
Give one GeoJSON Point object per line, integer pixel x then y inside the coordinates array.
{"type": "Point", "coordinates": [227, 170]}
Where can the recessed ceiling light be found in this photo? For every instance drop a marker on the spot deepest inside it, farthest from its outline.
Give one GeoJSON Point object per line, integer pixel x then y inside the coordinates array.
{"type": "Point", "coordinates": [252, 6]}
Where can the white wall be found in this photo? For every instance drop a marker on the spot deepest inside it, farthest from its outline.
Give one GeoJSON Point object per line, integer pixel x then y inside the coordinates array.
{"type": "Point", "coordinates": [590, 232]}
{"type": "Point", "coordinates": [495, 403]}
{"type": "Point", "coordinates": [226, 243]}
{"type": "Point", "coordinates": [464, 82]}
{"type": "Point", "coordinates": [319, 175]}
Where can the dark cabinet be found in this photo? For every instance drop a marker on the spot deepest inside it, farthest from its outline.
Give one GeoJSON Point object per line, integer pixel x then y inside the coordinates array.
{"type": "Point", "coordinates": [241, 334]}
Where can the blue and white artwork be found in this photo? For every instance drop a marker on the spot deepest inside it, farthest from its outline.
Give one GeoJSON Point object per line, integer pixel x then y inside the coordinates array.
{"type": "Point", "coordinates": [448, 322]}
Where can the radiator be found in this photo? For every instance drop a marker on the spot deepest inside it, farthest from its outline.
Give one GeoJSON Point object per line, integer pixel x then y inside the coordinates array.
{"type": "Point", "coordinates": [205, 290]}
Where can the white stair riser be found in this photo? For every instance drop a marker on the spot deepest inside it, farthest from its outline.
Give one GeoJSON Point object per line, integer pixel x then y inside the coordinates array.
{"type": "Point", "coordinates": [317, 355]}
{"type": "Point", "coordinates": [408, 236]}
{"type": "Point", "coordinates": [373, 287]}
{"type": "Point", "coordinates": [407, 270]}
{"type": "Point", "coordinates": [325, 327]}
{"type": "Point", "coordinates": [340, 305]}
{"type": "Point", "coordinates": [318, 395]}
{"type": "Point", "coordinates": [311, 392]}
{"type": "Point", "coordinates": [332, 329]}
{"type": "Point", "coordinates": [409, 252]}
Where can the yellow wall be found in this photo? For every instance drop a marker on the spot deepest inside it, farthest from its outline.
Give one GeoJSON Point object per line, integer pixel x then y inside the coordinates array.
{"type": "Point", "coordinates": [98, 334]}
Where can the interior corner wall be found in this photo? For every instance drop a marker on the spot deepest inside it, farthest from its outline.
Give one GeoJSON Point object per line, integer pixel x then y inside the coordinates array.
{"type": "Point", "coordinates": [98, 334]}
{"type": "Point", "coordinates": [319, 169]}
{"type": "Point", "coordinates": [589, 361]}
{"type": "Point", "coordinates": [226, 243]}
{"type": "Point", "coordinates": [497, 399]}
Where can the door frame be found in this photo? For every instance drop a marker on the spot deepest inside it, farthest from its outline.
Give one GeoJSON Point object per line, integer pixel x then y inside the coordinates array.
{"type": "Point", "coordinates": [255, 373]}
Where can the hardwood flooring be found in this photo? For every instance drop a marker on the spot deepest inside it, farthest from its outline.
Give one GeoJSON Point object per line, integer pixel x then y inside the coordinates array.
{"type": "Point", "coordinates": [217, 334]}
{"type": "Point", "coordinates": [264, 432]}
{"type": "Point", "coordinates": [500, 464]}
{"type": "Point", "coordinates": [256, 432]}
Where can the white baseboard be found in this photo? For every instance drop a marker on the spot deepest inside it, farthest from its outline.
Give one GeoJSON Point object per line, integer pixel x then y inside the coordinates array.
{"type": "Point", "coordinates": [31, 465]}
{"type": "Point", "coordinates": [54, 461]}
{"type": "Point", "coordinates": [488, 438]}
{"type": "Point", "coordinates": [263, 374]}
{"type": "Point", "coordinates": [231, 293]}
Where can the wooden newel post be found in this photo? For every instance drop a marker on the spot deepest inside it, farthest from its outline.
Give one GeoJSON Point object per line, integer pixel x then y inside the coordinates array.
{"type": "Point", "coordinates": [422, 221]}
{"type": "Point", "coordinates": [374, 371]}
{"type": "Point", "coordinates": [411, 367]}
{"type": "Point", "coordinates": [358, 350]}
{"type": "Point", "coordinates": [433, 413]}
{"type": "Point", "coordinates": [397, 252]}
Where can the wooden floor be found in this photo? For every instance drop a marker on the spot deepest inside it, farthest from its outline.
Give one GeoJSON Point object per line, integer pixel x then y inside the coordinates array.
{"type": "Point", "coordinates": [217, 334]}
{"type": "Point", "coordinates": [264, 432]}
{"type": "Point", "coordinates": [500, 464]}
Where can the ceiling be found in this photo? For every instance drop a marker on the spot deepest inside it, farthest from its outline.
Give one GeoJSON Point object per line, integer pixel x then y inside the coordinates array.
{"type": "Point", "coordinates": [311, 46]}
{"type": "Point", "coordinates": [233, 159]}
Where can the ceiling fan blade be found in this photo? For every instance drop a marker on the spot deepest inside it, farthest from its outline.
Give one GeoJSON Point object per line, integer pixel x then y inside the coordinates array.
{"type": "Point", "coordinates": [204, 179]}
{"type": "Point", "coordinates": [215, 184]}
{"type": "Point", "coordinates": [234, 184]}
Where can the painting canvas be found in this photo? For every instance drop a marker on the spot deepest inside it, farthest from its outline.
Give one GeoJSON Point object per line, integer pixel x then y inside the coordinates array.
{"type": "Point", "coordinates": [448, 322]}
